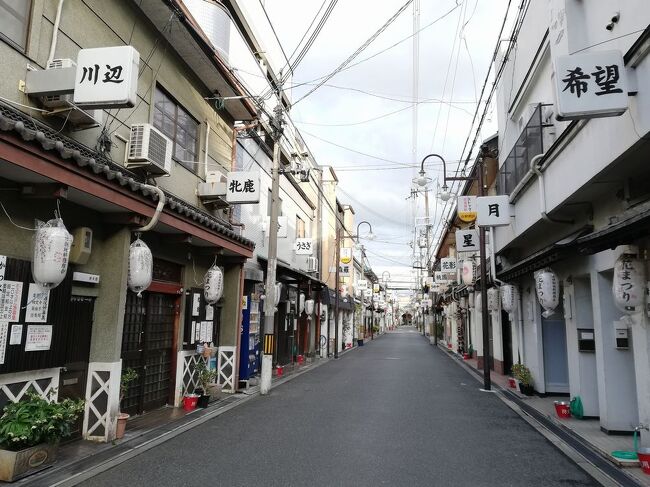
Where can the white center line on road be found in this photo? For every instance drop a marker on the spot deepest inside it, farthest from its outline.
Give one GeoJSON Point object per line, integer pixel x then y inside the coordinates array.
{"type": "Point", "coordinates": [393, 358]}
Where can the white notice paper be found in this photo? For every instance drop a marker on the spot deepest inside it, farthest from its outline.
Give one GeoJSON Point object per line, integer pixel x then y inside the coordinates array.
{"type": "Point", "coordinates": [204, 331]}
{"type": "Point", "coordinates": [38, 301]}
{"type": "Point", "coordinates": [16, 336]}
{"type": "Point", "coordinates": [4, 326]}
{"type": "Point", "coordinates": [209, 312]}
{"type": "Point", "coordinates": [11, 293]}
{"type": "Point", "coordinates": [209, 329]}
{"type": "Point", "coordinates": [39, 338]}
{"type": "Point", "coordinates": [3, 266]}
{"type": "Point", "coordinates": [196, 300]}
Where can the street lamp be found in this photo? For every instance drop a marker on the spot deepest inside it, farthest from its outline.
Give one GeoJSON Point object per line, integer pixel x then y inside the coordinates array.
{"type": "Point", "coordinates": [383, 278]}
{"type": "Point", "coordinates": [445, 195]}
{"type": "Point", "coordinates": [369, 236]}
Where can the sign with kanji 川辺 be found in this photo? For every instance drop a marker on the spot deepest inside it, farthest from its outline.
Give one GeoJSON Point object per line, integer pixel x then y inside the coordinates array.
{"type": "Point", "coordinates": [589, 85]}
{"type": "Point", "coordinates": [493, 211]}
{"type": "Point", "coordinates": [467, 241]}
{"type": "Point", "coordinates": [466, 208]}
{"type": "Point", "coordinates": [243, 187]}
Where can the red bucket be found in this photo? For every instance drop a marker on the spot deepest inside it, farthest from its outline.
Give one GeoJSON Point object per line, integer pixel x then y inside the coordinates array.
{"type": "Point", "coordinates": [300, 359]}
{"type": "Point", "coordinates": [512, 382]}
{"type": "Point", "coordinates": [189, 402]}
{"type": "Point", "coordinates": [644, 459]}
{"type": "Point", "coordinates": [562, 409]}
{"type": "Point", "coordinates": [279, 370]}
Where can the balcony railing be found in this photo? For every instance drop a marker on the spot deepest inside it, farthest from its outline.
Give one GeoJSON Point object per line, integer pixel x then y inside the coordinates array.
{"type": "Point", "coordinates": [529, 144]}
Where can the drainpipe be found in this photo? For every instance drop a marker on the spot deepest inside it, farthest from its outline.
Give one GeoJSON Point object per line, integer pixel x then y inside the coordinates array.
{"type": "Point", "coordinates": [159, 208]}
{"type": "Point", "coordinates": [542, 191]}
{"type": "Point", "coordinates": [233, 158]}
{"type": "Point", "coordinates": [520, 328]}
{"type": "Point", "coordinates": [55, 33]}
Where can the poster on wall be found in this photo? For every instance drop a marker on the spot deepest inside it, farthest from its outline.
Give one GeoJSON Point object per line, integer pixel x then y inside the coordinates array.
{"type": "Point", "coordinates": [38, 301]}
{"type": "Point", "coordinates": [10, 295]}
{"type": "Point", "coordinates": [4, 326]}
{"type": "Point", "coordinates": [16, 336]}
{"type": "Point", "coordinates": [3, 266]}
{"type": "Point", "coordinates": [39, 338]}
{"type": "Point", "coordinates": [209, 312]}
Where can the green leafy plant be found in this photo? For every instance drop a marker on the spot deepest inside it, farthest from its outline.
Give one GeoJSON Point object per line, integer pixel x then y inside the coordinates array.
{"type": "Point", "coordinates": [33, 420]}
{"type": "Point", "coordinates": [128, 376]}
{"type": "Point", "coordinates": [205, 375]}
{"type": "Point", "coordinates": [522, 374]}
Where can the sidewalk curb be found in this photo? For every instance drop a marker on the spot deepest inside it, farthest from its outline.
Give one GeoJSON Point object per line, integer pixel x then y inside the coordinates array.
{"type": "Point", "coordinates": [569, 451]}
{"type": "Point", "coordinates": [141, 443]}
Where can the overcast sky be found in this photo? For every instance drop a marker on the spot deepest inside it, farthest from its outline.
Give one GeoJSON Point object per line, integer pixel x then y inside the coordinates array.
{"type": "Point", "coordinates": [376, 190]}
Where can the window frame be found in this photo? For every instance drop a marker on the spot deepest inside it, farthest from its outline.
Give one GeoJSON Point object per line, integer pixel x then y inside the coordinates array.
{"type": "Point", "coordinates": [26, 31]}
{"type": "Point", "coordinates": [193, 168]}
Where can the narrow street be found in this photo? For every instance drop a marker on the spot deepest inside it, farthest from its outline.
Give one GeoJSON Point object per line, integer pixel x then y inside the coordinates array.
{"type": "Point", "coordinates": [394, 412]}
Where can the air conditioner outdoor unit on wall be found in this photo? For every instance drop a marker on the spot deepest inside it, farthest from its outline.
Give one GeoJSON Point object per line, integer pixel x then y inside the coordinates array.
{"type": "Point", "coordinates": [149, 149]}
{"type": "Point", "coordinates": [312, 264]}
{"type": "Point", "coordinates": [58, 101]}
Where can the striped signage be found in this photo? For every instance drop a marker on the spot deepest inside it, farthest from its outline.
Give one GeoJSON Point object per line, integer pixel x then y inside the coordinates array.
{"type": "Point", "coordinates": [268, 344]}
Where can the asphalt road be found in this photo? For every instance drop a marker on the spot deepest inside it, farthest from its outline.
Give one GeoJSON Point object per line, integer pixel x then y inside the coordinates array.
{"type": "Point", "coordinates": [395, 412]}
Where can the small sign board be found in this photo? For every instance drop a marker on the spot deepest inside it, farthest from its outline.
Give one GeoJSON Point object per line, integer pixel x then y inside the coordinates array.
{"type": "Point", "coordinates": [467, 240]}
{"type": "Point", "coordinates": [493, 211]}
{"type": "Point", "coordinates": [303, 246]}
{"type": "Point", "coordinates": [466, 208]}
{"type": "Point", "coordinates": [362, 284]}
{"type": "Point", "coordinates": [346, 255]}
{"type": "Point", "coordinates": [39, 338]}
{"type": "Point", "coordinates": [243, 187]}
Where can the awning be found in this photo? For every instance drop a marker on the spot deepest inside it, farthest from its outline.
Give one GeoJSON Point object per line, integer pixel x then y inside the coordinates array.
{"type": "Point", "coordinates": [546, 256]}
{"type": "Point", "coordinates": [328, 297]}
{"type": "Point", "coordinates": [284, 272]}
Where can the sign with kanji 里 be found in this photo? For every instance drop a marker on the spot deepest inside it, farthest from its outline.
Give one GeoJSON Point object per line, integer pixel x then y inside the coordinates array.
{"type": "Point", "coordinates": [466, 208]}
{"type": "Point", "coordinates": [346, 255]}
{"type": "Point", "coordinates": [107, 77]}
{"type": "Point", "coordinates": [303, 246]}
{"type": "Point", "coordinates": [493, 211]}
{"type": "Point", "coordinates": [243, 187]}
{"type": "Point", "coordinates": [467, 241]}
{"type": "Point", "coordinates": [589, 85]}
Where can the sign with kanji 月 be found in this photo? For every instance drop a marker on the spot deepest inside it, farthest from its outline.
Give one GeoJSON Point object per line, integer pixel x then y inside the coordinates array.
{"type": "Point", "coordinates": [243, 187]}
{"type": "Point", "coordinates": [467, 240]}
{"type": "Point", "coordinates": [589, 85]}
{"type": "Point", "coordinates": [466, 208]}
{"type": "Point", "coordinates": [493, 211]}
{"type": "Point", "coordinates": [107, 77]}
{"type": "Point", "coordinates": [303, 246]}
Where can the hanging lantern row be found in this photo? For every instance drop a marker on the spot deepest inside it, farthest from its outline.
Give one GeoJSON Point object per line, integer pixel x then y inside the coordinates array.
{"type": "Point", "coordinates": [547, 286]}
{"type": "Point", "coordinates": [469, 272]}
{"type": "Point", "coordinates": [509, 298]}
{"type": "Point", "coordinates": [629, 283]}
{"type": "Point", "coordinates": [140, 267]}
{"type": "Point", "coordinates": [309, 307]}
{"type": "Point", "coordinates": [51, 250]}
{"type": "Point", "coordinates": [213, 285]}
{"type": "Point", "coordinates": [301, 303]}
{"type": "Point", "coordinates": [493, 299]}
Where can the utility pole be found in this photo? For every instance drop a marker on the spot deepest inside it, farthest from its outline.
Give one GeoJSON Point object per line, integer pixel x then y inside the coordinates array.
{"type": "Point", "coordinates": [272, 259]}
{"type": "Point", "coordinates": [336, 300]}
{"type": "Point", "coordinates": [487, 380]}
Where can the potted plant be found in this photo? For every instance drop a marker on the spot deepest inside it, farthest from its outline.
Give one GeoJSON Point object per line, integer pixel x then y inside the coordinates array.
{"type": "Point", "coordinates": [128, 376]}
{"type": "Point", "coordinates": [206, 379]}
{"type": "Point", "coordinates": [525, 379]}
{"type": "Point", "coordinates": [30, 430]}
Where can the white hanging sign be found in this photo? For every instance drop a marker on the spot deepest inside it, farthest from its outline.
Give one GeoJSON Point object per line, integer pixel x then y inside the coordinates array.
{"type": "Point", "coordinates": [345, 255]}
{"type": "Point", "coordinates": [344, 270]}
{"type": "Point", "coordinates": [39, 338]}
{"type": "Point", "coordinates": [509, 298]}
{"type": "Point", "coordinates": [243, 187]}
{"type": "Point", "coordinates": [589, 85]}
{"type": "Point", "coordinates": [10, 295]}
{"type": "Point", "coordinates": [629, 284]}
{"type": "Point", "coordinates": [441, 277]}
{"type": "Point", "coordinates": [493, 211]}
{"type": "Point", "coordinates": [467, 240]}
{"type": "Point", "coordinates": [448, 265]}
{"type": "Point", "coordinates": [466, 208]}
{"type": "Point", "coordinates": [367, 293]}
{"type": "Point", "coordinates": [107, 77]}
{"type": "Point", "coordinates": [375, 287]}
{"type": "Point", "coordinates": [362, 284]}
{"type": "Point", "coordinates": [303, 246]}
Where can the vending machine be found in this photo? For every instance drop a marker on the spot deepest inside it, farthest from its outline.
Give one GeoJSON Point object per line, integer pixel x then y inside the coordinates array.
{"type": "Point", "coordinates": [250, 358]}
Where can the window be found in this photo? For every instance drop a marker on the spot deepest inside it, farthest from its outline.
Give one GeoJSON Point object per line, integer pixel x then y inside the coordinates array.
{"type": "Point", "coordinates": [14, 20]}
{"type": "Point", "coordinates": [300, 227]}
{"type": "Point", "coordinates": [177, 124]}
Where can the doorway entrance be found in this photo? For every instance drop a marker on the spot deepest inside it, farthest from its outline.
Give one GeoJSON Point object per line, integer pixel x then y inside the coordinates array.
{"type": "Point", "coordinates": [556, 367]}
{"type": "Point", "coordinates": [506, 335]}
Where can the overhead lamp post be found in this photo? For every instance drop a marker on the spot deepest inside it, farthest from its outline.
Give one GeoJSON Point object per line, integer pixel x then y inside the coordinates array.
{"type": "Point", "coordinates": [445, 195]}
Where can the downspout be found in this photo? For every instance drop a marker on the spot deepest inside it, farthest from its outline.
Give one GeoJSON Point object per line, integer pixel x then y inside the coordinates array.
{"type": "Point", "coordinates": [233, 158]}
{"type": "Point", "coordinates": [542, 191]}
{"type": "Point", "coordinates": [159, 208]}
{"type": "Point", "coordinates": [520, 329]}
{"type": "Point", "coordinates": [55, 32]}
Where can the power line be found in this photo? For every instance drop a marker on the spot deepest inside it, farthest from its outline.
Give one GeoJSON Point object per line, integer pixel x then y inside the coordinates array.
{"type": "Point", "coordinates": [274, 33]}
{"type": "Point", "coordinates": [350, 124]}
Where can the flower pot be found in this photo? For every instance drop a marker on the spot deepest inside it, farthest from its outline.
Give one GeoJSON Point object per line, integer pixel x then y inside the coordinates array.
{"type": "Point", "coordinates": [526, 389]}
{"type": "Point", "coordinates": [279, 370]}
{"type": "Point", "coordinates": [189, 402]}
{"type": "Point", "coordinates": [562, 409]}
{"type": "Point", "coordinates": [121, 425]}
{"type": "Point", "coordinates": [512, 382]}
{"type": "Point", "coordinates": [203, 401]}
{"type": "Point", "coordinates": [300, 359]}
{"type": "Point", "coordinates": [360, 342]}
{"type": "Point", "coordinates": [466, 356]}
{"type": "Point", "coordinates": [18, 464]}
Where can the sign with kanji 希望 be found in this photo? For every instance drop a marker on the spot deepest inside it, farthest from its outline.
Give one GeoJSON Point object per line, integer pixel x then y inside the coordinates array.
{"type": "Point", "coordinates": [107, 77]}
{"type": "Point", "coordinates": [243, 187]}
{"type": "Point", "coordinates": [493, 211]}
{"type": "Point", "coordinates": [303, 246]}
{"type": "Point", "coordinates": [467, 240]}
{"type": "Point", "coordinates": [589, 85]}
{"type": "Point", "coordinates": [466, 208]}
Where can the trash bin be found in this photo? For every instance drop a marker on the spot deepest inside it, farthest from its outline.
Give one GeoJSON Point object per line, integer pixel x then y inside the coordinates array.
{"type": "Point", "coordinates": [562, 409]}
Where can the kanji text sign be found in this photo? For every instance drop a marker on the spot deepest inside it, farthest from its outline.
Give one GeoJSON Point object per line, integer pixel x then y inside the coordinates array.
{"type": "Point", "coordinates": [467, 241]}
{"type": "Point", "coordinates": [590, 85]}
{"type": "Point", "coordinates": [493, 211]}
{"type": "Point", "coordinates": [107, 77]}
{"type": "Point", "coordinates": [243, 187]}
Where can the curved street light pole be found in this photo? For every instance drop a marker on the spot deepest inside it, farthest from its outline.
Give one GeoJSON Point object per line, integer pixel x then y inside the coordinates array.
{"type": "Point", "coordinates": [363, 272]}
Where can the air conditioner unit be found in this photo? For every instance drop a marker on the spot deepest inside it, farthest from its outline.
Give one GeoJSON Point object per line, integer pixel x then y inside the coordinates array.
{"type": "Point", "coordinates": [312, 264]}
{"type": "Point", "coordinates": [58, 101]}
{"type": "Point", "coordinates": [149, 149]}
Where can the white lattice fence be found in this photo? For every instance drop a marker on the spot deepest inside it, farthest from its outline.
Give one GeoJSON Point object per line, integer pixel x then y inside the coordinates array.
{"type": "Point", "coordinates": [186, 377]}
{"type": "Point", "coordinates": [226, 368]}
{"type": "Point", "coordinates": [102, 400]}
{"type": "Point", "coordinates": [44, 382]}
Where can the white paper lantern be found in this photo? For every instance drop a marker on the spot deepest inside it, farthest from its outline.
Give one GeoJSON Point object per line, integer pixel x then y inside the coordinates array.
{"type": "Point", "coordinates": [213, 285]}
{"type": "Point", "coordinates": [493, 299]}
{"type": "Point", "coordinates": [51, 249]}
{"type": "Point", "coordinates": [278, 291]}
{"type": "Point", "coordinates": [509, 298]}
{"type": "Point", "coordinates": [469, 272]}
{"type": "Point", "coordinates": [309, 307]}
{"type": "Point", "coordinates": [547, 286]}
{"type": "Point", "coordinates": [140, 267]}
{"type": "Point", "coordinates": [478, 302]}
{"type": "Point", "coordinates": [629, 284]}
{"type": "Point", "coordinates": [301, 303]}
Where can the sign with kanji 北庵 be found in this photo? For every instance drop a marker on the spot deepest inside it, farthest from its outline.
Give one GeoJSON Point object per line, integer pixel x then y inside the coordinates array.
{"type": "Point", "coordinates": [303, 246]}
{"type": "Point", "coordinates": [243, 187]}
{"type": "Point", "coordinates": [466, 208]}
{"type": "Point", "coordinates": [589, 85]}
{"type": "Point", "coordinates": [493, 211]}
{"type": "Point", "coordinates": [107, 77]}
{"type": "Point", "coordinates": [467, 241]}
